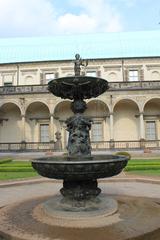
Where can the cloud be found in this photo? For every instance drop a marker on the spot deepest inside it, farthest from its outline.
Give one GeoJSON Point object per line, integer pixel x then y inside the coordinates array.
{"type": "Point", "coordinates": [22, 18]}
{"type": "Point", "coordinates": [70, 23]}
{"type": "Point", "coordinates": [100, 12]}
{"type": "Point", "coordinates": [41, 17]}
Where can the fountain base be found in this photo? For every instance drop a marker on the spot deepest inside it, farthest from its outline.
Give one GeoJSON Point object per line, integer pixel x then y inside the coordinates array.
{"type": "Point", "coordinates": [66, 207]}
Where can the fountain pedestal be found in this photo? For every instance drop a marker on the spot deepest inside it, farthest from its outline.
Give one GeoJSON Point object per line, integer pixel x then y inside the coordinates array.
{"type": "Point", "coordinates": [80, 190]}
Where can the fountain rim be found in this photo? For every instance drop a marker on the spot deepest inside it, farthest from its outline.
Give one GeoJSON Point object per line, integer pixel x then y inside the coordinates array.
{"type": "Point", "coordinates": [47, 160]}
{"type": "Point", "coordinates": [58, 80]}
{"type": "Point", "coordinates": [74, 87]}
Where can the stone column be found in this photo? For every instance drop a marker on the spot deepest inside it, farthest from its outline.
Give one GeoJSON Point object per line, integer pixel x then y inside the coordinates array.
{"type": "Point", "coordinates": [142, 133]}
{"type": "Point", "coordinates": [23, 123]}
{"type": "Point", "coordinates": [111, 130]}
{"type": "Point", "coordinates": [111, 126]}
{"type": "Point", "coordinates": [23, 137]}
{"type": "Point", "coordinates": [51, 128]}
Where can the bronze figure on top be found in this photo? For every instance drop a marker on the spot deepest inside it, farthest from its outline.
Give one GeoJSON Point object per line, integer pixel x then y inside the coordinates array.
{"type": "Point", "coordinates": [78, 63]}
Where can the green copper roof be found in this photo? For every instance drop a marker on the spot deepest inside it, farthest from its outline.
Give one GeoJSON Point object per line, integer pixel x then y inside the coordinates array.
{"type": "Point", "coordinates": [91, 46]}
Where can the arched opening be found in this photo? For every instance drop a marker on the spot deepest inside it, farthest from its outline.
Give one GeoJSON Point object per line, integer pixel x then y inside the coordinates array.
{"type": "Point", "coordinates": [10, 123]}
{"type": "Point", "coordinates": [37, 123]}
{"type": "Point", "coordinates": [61, 113]}
{"type": "Point", "coordinates": [126, 121]}
{"type": "Point", "coordinates": [98, 111]}
{"type": "Point", "coordinates": [152, 119]}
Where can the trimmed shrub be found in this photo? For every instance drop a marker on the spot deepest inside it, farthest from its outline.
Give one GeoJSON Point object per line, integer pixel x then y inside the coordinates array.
{"type": "Point", "coordinates": [142, 167]}
{"type": "Point", "coordinates": [5, 161]}
{"type": "Point", "coordinates": [124, 154]}
{"type": "Point", "coordinates": [12, 164]}
{"type": "Point", "coordinates": [143, 163]}
{"type": "Point", "coordinates": [20, 169]}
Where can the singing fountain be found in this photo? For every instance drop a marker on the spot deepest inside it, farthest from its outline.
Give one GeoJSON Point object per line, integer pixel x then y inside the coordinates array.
{"type": "Point", "coordinates": [81, 211]}
{"type": "Point", "coordinates": [79, 170]}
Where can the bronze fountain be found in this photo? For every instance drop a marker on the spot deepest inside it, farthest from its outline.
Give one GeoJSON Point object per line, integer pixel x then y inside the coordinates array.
{"type": "Point", "coordinates": [79, 170]}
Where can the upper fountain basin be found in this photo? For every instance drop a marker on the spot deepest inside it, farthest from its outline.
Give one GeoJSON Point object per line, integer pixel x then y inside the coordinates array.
{"type": "Point", "coordinates": [78, 87]}
{"type": "Point", "coordinates": [80, 167]}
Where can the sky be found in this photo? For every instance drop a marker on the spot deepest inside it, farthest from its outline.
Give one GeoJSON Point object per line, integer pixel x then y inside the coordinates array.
{"type": "Point", "coordinates": [30, 18]}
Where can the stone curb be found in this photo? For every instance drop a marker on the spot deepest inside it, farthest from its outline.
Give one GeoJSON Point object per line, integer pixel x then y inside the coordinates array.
{"type": "Point", "coordinates": [24, 182]}
{"type": "Point", "coordinates": [141, 180]}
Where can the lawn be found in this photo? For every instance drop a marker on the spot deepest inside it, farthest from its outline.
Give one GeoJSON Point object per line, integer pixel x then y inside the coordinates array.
{"type": "Point", "coordinates": [10, 169]}
{"type": "Point", "coordinates": [144, 167]}
{"type": "Point", "coordinates": [147, 172]}
{"type": "Point", "coordinates": [16, 175]}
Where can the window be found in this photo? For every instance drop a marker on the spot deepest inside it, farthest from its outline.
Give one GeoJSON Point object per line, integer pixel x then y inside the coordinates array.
{"type": "Point", "coordinates": [97, 132]}
{"type": "Point", "coordinates": [8, 80]}
{"type": "Point", "coordinates": [91, 73]}
{"type": "Point", "coordinates": [49, 76]}
{"type": "Point", "coordinates": [150, 130]}
{"type": "Point", "coordinates": [133, 75]}
{"type": "Point", "coordinates": [44, 132]}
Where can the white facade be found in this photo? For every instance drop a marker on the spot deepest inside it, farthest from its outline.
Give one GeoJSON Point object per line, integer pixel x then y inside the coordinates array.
{"type": "Point", "coordinates": [128, 111]}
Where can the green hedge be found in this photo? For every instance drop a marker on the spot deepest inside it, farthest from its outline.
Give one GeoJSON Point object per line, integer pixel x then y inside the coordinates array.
{"type": "Point", "coordinates": [2, 161]}
{"type": "Point", "coordinates": [144, 164]}
{"type": "Point", "coordinates": [16, 175]}
{"type": "Point", "coordinates": [16, 165]}
{"type": "Point", "coordinates": [126, 154]}
{"type": "Point", "coordinates": [142, 167]}
{"type": "Point", "coordinates": [20, 169]}
{"type": "Point", "coordinates": [10, 169]}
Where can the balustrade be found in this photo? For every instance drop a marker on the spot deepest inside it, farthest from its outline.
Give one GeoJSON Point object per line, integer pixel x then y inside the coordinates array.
{"type": "Point", "coordinates": [114, 86]}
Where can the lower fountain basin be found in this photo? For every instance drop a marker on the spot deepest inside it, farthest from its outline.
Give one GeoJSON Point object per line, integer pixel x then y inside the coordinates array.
{"type": "Point", "coordinates": [80, 168]}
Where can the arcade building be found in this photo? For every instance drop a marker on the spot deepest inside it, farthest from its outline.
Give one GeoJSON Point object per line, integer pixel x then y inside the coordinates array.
{"type": "Point", "coordinates": [127, 116]}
